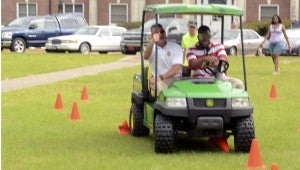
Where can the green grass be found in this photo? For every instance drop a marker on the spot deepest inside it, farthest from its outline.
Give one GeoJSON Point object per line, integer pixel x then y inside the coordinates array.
{"type": "Point", "coordinates": [30, 63]}
{"type": "Point", "coordinates": [35, 136]}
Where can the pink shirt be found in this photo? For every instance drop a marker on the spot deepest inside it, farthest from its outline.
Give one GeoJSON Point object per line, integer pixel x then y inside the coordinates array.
{"type": "Point", "coordinates": [276, 33]}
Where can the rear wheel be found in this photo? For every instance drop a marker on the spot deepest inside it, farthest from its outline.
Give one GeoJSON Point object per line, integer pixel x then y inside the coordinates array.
{"type": "Point", "coordinates": [136, 118]}
{"type": "Point", "coordinates": [85, 48]}
{"type": "Point", "coordinates": [243, 134]}
{"type": "Point", "coordinates": [164, 134]}
{"type": "Point", "coordinates": [18, 45]}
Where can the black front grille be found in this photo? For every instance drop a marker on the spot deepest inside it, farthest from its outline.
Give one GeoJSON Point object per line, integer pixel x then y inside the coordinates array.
{"type": "Point", "coordinates": [56, 41]}
{"type": "Point", "coordinates": [204, 103]}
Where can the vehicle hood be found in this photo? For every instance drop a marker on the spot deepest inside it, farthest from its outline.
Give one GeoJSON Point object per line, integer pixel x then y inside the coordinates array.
{"type": "Point", "coordinates": [135, 31]}
{"type": "Point", "coordinates": [227, 42]}
{"type": "Point", "coordinates": [295, 42]}
{"type": "Point", "coordinates": [194, 88]}
{"type": "Point", "coordinates": [73, 37]}
{"type": "Point", "coordinates": [12, 28]}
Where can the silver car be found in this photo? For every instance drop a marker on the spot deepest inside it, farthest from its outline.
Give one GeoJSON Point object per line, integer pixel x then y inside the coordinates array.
{"type": "Point", "coordinates": [232, 41]}
{"type": "Point", "coordinates": [294, 38]}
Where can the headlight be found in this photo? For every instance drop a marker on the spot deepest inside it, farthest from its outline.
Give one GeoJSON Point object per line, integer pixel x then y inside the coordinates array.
{"type": "Point", "coordinates": [176, 102]}
{"type": "Point", "coordinates": [240, 102]}
{"type": "Point", "coordinates": [69, 41]}
{"type": "Point", "coordinates": [7, 35]}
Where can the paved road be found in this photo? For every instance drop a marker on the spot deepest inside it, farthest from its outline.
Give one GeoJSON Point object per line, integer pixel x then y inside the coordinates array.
{"type": "Point", "coordinates": [40, 79]}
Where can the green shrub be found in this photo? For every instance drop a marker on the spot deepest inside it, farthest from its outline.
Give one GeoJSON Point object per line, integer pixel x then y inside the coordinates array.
{"type": "Point", "coordinates": [261, 27]}
{"type": "Point", "coordinates": [130, 25]}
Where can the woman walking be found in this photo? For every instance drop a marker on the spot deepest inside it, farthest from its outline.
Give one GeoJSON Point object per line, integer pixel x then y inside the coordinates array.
{"type": "Point", "coordinates": [274, 35]}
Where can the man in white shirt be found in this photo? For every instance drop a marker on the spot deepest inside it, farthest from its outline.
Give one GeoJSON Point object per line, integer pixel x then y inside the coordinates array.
{"type": "Point", "coordinates": [169, 58]}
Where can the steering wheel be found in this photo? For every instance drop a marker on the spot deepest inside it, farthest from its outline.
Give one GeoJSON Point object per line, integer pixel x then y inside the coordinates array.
{"type": "Point", "coordinates": [222, 67]}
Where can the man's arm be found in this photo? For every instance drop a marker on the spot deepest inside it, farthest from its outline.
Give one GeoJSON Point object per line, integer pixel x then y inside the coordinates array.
{"type": "Point", "coordinates": [175, 69]}
{"type": "Point", "coordinates": [204, 62]}
{"type": "Point", "coordinates": [149, 48]}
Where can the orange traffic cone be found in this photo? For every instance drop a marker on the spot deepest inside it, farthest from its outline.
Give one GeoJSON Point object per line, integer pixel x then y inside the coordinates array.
{"type": "Point", "coordinates": [273, 93]}
{"type": "Point", "coordinates": [124, 128]}
{"type": "Point", "coordinates": [74, 112]}
{"type": "Point", "coordinates": [84, 94]}
{"type": "Point", "coordinates": [220, 143]}
{"type": "Point", "coordinates": [58, 103]}
{"type": "Point", "coordinates": [254, 160]}
{"type": "Point", "coordinates": [274, 166]}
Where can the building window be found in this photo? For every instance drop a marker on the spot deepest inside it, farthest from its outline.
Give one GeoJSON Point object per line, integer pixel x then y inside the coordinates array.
{"type": "Point", "coordinates": [217, 1]}
{"type": "Point", "coordinates": [118, 13]}
{"type": "Point", "coordinates": [72, 8]}
{"type": "Point", "coordinates": [267, 11]}
{"type": "Point", "coordinates": [26, 9]}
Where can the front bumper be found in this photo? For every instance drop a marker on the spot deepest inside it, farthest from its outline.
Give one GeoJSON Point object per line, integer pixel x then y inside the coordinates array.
{"type": "Point", "coordinates": [6, 44]}
{"type": "Point", "coordinates": [67, 47]}
{"type": "Point", "coordinates": [192, 113]}
{"type": "Point", "coordinates": [131, 47]}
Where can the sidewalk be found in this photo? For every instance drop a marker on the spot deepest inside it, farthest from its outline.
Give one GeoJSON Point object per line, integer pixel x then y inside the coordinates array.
{"type": "Point", "coordinates": [41, 79]}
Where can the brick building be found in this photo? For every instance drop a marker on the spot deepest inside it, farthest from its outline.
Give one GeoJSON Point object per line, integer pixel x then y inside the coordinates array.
{"type": "Point", "coordinates": [110, 12]}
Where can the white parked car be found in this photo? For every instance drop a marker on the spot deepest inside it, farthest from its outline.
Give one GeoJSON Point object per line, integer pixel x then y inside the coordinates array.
{"type": "Point", "coordinates": [100, 39]}
{"type": "Point", "coordinates": [232, 41]}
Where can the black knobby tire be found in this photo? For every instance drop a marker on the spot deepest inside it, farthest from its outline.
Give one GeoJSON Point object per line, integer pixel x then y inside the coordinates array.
{"type": "Point", "coordinates": [18, 45]}
{"type": "Point", "coordinates": [136, 117]}
{"type": "Point", "coordinates": [243, 134]}
{"type": "Point", "coordinates": [164, 134]}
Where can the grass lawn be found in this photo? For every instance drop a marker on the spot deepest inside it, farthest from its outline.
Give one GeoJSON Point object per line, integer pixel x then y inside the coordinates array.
{"type": "Point", "coordinates": [30, 63]}
{"type": "Point", "coordinates": [35, 136]}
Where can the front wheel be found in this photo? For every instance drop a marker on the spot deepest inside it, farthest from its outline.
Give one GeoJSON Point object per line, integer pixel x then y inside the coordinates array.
{"type": "Point", "coordinates": [18, 45]}
{"type": "Point", "coordinates": [243, 134]}
{"type": "Point", "coordinates": [164, 134]}
{"type": "Point", "coordinates": [233, 51]}
{"type": "Point", "coordinates": [136, 117]}
{"type": "Point", "coordinates": [84, 48]}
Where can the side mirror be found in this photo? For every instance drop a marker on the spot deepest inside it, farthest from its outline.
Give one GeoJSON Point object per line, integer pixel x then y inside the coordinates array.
{"type": "Point", "coordinates": [33, 26]}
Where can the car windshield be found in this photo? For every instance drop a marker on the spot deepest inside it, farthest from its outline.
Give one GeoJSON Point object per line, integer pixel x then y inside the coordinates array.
{"type": "Point", "coordinates": [21, 22]}
{"type": "Point", "coordinates": [87, 31]}
{"type": "Point", "coordinates": [228, 34]}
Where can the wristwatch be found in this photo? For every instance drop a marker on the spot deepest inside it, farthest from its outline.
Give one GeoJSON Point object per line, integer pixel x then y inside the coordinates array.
{"type": "Point", "coordinates": [161, 77]}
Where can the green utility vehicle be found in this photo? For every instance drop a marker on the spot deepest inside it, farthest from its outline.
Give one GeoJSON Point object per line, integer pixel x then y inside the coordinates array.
{"type": "Point", "coordinates": [200, 108]}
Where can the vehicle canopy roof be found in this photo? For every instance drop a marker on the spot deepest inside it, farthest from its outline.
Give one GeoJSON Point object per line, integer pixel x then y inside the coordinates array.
{"type": "Point", "coordinates": [209, 9]}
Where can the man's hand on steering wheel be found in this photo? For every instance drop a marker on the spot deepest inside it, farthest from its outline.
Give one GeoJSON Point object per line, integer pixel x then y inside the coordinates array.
{"type": "Point", "coordinates": [220, 66]}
